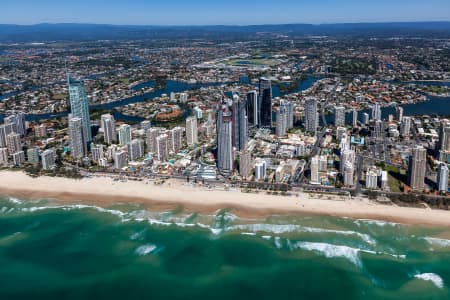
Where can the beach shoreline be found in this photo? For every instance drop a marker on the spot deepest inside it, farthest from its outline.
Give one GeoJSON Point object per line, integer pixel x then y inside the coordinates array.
{"type": "Point", "coordinates": [105, 192]}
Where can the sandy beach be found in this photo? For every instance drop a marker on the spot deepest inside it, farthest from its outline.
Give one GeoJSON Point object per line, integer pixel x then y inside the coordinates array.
{"type": "Point", "coordinates": [105, 192]}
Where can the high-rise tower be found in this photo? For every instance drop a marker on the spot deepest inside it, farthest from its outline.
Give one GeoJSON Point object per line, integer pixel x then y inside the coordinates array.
{"type": "Point", "coordinates": [265, 102]}
{"type": "Point", "coordinates": [79, 106]}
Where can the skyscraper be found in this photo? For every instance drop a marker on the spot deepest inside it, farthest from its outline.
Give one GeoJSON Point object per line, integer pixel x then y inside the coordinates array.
{"type": "Point", "coordinates": [265, 102]}
{"type": "Point", "coordinates": [339, 116]}
{"type": "Point", "coordinates": [417, 168]}
{"type": "Point", "coordinates": [150, 138]}
{"type": "Point", "coordinates": [18, 158]}
{"type": "Point", "coordinates": [315, 170]}
{"type": "Point", "coordinates": [145, 125]}
{"type": "Point", "coordinates": [378, 129]}
{"type": "Point", "coordinates": [366, 118]}
{"type": "Point", "coordinates": [443, 145]}
{"type": "Point", "coordinates": [177, 139]}
{"type": "Point", "coordinates": [124, 134]}
{"type": "Point", "coordinates": [78, 145]}
{"type": "Point", "coordinates": [284, 117]}
{"type": "Point", "coordinates": [79, 106]}
{"type": "Point", "coordinates": [136, 149]}
{"type": "Point", "coordinates": [5, 130]}
{"type": "Point", "coordinates": [376, 112]}
{"type": "Point", "coordinates": [260, 169]}
{"type": "Point", "coordinates": [162, 149]}
{"type": "Point", "coordinates": [18, 122]}
{"type": "Point", "coordinates": [349, 171]}
{"type": "Point", "coordinates": [311, 116]}
{"type": "Point", "coordinates": [252, 108]}
{"type": "Point", "coordinates": [108, 125]}
{"type": "Point", "coordinates": [281, 121]}
{"type": "Point", "coordinates": [245, 163]}
{"type": "Point", "coordinates": [289, 106]}
{"type": "Point", "coordinates": [97, 152]}
{"type": "Point", "coordinates": [371, 178]}
{"type": "Point", "coordinates": [13, 143]}
{"type": "Point", "coordinates": [355, 118]}
{"type": "Point", "coordinates": [442, 178]}
{"type": "Point", "coordinates": [4, 156]}
{"type": "Point", "coordinates": [347, 156]}
{"type": "Point", "coordinates": [224, 140]}
{"type": "Point", "coordinates": [191, 131]}
{"type": "Point", "coordinates": [399, 112]}
{"type": "Point", "coordinates": [48, 159]}
{"type": "Point", "coordinates": [33, 155]}
{"type": "Point", "coordinates": [406, 126]}
{"type": "Point", "coordinates": [120, 159]}
{"type": "Point", "coordinates": [240, 126]}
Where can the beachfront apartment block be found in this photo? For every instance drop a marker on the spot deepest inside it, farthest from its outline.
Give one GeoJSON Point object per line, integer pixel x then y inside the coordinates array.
{"type": "Point", "coordinates": [13, 143]}
{"type": "Point", "coordinates": [120, 159]}
{"type": "Point", "coordinates": [417, 168]}
{"type": "Point", "coordinates": [108, 126]}
{"type": "Point", "coordinates": [191, 131]}
{"type": "Point", "coordinates": [124, 134]}
{"type": "Point", "coordinates": [78, 146]}
{"type": "Point", "coordinates": [162, 147]}
{"type": "Point", "coordinates": [48, 158]}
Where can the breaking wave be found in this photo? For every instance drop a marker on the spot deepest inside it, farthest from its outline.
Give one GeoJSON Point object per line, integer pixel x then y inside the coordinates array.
{"type": "Point", "coordinates": [279, 229]}
{"type": "Point", "coordinates": [329, 250]}
{"type": "Point", "coordinates": [437, 242]}
{"type": "Point", "coordinates": [15, 200]}
{"type": "Point", "coordinates": [146, 249]}
{"type": "Point", "coordinates": [434, 278]}
{"type": "Point", "coordinates": [342, 251]}
{"type": "Point", "coordinates": [375, 222]}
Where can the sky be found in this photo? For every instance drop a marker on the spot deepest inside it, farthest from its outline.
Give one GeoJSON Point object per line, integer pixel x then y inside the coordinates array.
{"type": "Point", "coordinates": [220, 12]}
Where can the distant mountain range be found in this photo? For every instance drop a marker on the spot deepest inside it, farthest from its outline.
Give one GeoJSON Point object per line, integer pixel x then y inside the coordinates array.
{"type": "Point", "coordinates": [90, 32]}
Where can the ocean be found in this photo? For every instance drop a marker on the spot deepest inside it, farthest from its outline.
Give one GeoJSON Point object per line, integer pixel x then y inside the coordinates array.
{"type": "Point", "coordinates": [51, 251]}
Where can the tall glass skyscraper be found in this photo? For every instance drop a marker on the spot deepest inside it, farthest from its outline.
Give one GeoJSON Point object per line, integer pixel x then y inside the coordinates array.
{"type": "Point", "coordinates": [79, 106]}
{"type": "Point", "coordinates": [265, 102]}
{"type": "Point", "coordinates": [252, 108]}
{"type": "Point", "coordinates": [224, 140]}
{"type": "Point", "coordinates": [240, 123]}
{"type": "Point", "coordinates": [311, 116]}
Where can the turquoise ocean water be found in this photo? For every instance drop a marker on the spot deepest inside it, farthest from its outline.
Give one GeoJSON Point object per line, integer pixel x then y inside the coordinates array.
{"type": "Point", "coordinates": [125, 252]}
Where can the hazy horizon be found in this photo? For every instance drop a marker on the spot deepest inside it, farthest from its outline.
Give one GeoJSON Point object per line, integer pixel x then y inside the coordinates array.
{"type": "Point", "coordinates": [232, 12]}
{"type": "Point", "coordinates": [243, 25]}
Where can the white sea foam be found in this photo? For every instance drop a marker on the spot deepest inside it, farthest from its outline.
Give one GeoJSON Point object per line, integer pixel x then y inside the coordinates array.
{"type": "Point", "coordinates": [75, 207]}
{"type": "Point", "coordinates": [434, 278]}
{"type": "Point", "coordinates": [291, 228]}
{"type": "Point", "coordinates": [437, 242]}
{"type": "Point", "coordinates": [138, 235]}
{"type": "Point", "coordinates": [225, 215]}
{"type": "Point", "coordinates": [329, 250]}
{"type": "Point", "coordinates": [216, 231]}
{"type": "Point", "coordinates": [266, 237]}
{"type": "Point", "coordinates": [278, 243]}
{"type": "Point", "coordinates": [15, 200]}
{"type": "Point", "coordinates": [146, 249]}
{"type": "Point", "coordinates": [6, 210]}
{"type": "Point", "coordinates": [375, 222]}
{"type": "Point", "coordinates": [248, 233]}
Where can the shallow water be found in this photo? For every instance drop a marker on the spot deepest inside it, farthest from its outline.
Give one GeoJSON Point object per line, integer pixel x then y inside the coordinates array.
{"type": "Point", "coordinates": [125, 252]}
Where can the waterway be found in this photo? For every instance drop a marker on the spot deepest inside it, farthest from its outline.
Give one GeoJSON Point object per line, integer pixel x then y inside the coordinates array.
{"type": "Point", "coordinates": [439, 106]}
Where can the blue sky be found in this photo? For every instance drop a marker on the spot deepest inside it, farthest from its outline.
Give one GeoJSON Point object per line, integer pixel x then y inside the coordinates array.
{"type": "Point", "coordinates": [229, 12]}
